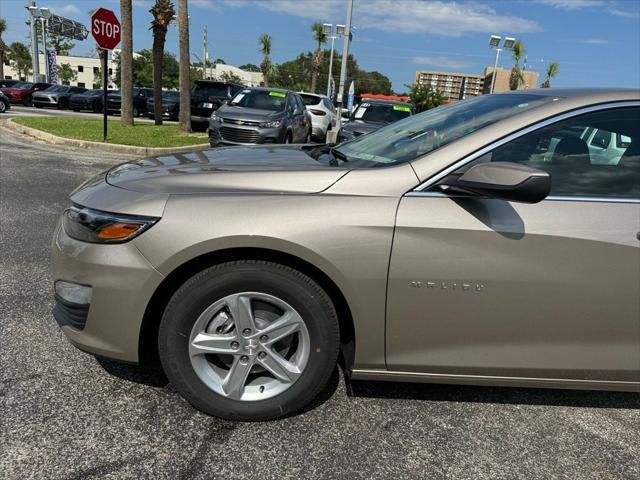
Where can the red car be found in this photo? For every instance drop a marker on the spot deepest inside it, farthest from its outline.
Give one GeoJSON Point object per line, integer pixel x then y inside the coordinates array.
{"type": "Point", "coordinates": [21, 92]}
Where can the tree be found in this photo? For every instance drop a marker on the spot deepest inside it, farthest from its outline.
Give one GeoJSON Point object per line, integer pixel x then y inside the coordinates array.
{"type": "Point", "coordinates": [320, 38]}
{"type": "Point", "coordinates": [552, 70]}
{"type": "Point", "coordinates": [97, 78]}
{"type": "Point", "coordinates": [3, 46]}
{"type": "Point", "coordinates": [66, 74]}
{"type": "Point", "coordinates": [423, 97]}
{"type": "Point", "coordinates": [250, 67]}
{"type": "Point", "coordinates": [126, 64]}
{"type": "Point", "coordinates": [185, 66]}
{"type": "Point", "coordinates": [220, 61]}
{"type": "Point", "coordinates": [162, 12]}
{"type": "Point", "coordinates": [516, 80]}
{"type": "Point", "coordinates": [142, 69]}
{"type": "Point", "coordinates": [231, 77]}
{"type": "Point", "coordinates": [20, 58]}
{"type": "Point", "coordinates": [265, 48]}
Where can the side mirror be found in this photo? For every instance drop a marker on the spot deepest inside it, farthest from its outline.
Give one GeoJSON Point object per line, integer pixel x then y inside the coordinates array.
{"type": "Point", "coordinates": [506, 181]}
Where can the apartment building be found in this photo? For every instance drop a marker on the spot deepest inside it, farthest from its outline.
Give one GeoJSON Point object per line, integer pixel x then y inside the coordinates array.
{"type": "Point", "coordinates": [454, 86]}
{"type": "Point", "coordinates": [502, 79]}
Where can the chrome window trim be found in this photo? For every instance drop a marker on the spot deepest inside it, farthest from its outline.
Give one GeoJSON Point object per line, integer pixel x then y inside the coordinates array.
{"type": "Point", "coordinates": [498, 143]}
{"type": "Point", "coordinates": [553, 198]}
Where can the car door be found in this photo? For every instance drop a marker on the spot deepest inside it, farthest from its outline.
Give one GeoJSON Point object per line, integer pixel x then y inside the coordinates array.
{"type": "Point", "coordinates": [485, 287]}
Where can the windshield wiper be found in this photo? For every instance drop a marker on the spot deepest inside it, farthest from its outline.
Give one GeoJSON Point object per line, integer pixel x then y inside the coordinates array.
{"type": "Point", "coordinates": [338, 154]}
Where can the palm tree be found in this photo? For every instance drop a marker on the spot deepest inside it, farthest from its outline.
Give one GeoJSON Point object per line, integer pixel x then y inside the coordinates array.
{"type": "Point", "coordinates": [126, 64]}
{"type": "Point", "coordinates": [320, 37]}
{"type": "Point", "coordinates": [552, 70]}
{"type": "Point", "coordinates": [185, 66]}
{"type": "Point", "coordinates": [162, 12]}
{"type": "Point", "coordinates": [3, 46]}
{"type": "Point", "coordinates": [265, 48]}
{"type": "Point", "coordinates": [516, 80]}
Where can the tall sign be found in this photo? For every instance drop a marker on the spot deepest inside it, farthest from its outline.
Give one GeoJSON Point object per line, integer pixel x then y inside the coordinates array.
{"type": "Point", "coordinates": [53, 68]}
{"type": "Point", "coordinates": [106, 29]}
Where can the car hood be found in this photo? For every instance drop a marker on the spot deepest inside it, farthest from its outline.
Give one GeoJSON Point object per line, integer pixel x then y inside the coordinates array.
{"type": "Point", "coordinates": [14, 91]}
{"type": "Point", "coordinates": [272, 169]}
{"type": "Point", "coordinates": [360, 128]}
{"type": "Point", "coordinates": [248, 114]}
{"type": "Point", "coordinates": [50, 94]}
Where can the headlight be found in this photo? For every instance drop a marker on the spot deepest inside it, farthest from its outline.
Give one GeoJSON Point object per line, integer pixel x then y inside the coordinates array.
{"type": "Point", "coordinates": [95, 226]}
{"type": "Point", "coordinates": [274, 124]}
{"type": "Point", "coordinates": [215, 118]}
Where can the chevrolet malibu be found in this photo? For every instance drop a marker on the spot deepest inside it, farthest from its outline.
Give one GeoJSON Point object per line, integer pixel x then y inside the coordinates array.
{"type": "Point", "coordinates": [476, 243]}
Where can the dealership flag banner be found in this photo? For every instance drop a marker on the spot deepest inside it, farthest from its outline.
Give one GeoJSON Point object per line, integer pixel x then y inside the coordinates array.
{"type": "Point", "coordinates": [53, 68]}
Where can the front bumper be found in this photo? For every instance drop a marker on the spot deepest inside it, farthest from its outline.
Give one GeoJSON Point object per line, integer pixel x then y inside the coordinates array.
{"type": "Point", "coordinates": [223, 134]}
{"type": "Point", "coordinates": [44, 101]}
{"type": "Point", "coordinates": [122, 282]}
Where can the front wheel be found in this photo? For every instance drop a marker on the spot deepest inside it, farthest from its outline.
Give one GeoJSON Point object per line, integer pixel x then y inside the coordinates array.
{"type": "Point", "coordinates": [27, 101]}
{"type": "Point", "coordinates": [136, 112]}
{"type": "Point", "coordinates": [3, 106]}
{"type": "Point", "coordinates": [249, 340]}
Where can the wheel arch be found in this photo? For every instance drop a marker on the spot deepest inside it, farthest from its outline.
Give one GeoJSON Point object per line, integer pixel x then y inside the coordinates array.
{"type": "Point", "coordinates": [147, 342]}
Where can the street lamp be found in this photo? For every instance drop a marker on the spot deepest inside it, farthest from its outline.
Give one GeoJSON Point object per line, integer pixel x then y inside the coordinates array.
{"type": "Point", "coordinates": [327, 29]}
{"type": "Point", "coordinates": [494, 42]}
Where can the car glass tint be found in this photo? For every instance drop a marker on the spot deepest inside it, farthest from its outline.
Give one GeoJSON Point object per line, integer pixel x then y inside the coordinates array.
{"type": "Point", "coordinates": [260, 99]}
{"type": "Point", "coordinates": [598, 168]}
{"type": "Point", "coordinates": [368, 112]}
{"type": "Point", "coordinates": [423, 133]}
{"type": "Point", "coordinates": [310, 99]}
{"type": "Point", "coordinates": [214, 90]}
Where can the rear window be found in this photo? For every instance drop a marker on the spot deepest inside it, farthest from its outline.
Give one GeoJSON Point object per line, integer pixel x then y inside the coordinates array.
{"type": "Point", "coordinates": [374, 112]}
{"type": "Point", "coordinates": [210, 90]}
{"type": "Point", "coordinates": [310, 99]}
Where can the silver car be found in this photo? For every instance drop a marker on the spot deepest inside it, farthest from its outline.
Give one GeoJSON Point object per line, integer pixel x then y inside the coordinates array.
{"type": "Point", "coordinates": [448, 247]}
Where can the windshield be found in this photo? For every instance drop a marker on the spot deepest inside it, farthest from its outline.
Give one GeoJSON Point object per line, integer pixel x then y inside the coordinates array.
{"type": "Point", "coordinates": [420, 134]}
{"type": "Point", "coordinates": [170, 95]}
{"type": "Point", "coordinates": [261, 99]}
{"type": "Point", "coordinates": [374, 112]}
{"type": "Point", "coordinates": [23, 85]}
{"type": "Point", "coordinates": [95, 93]}
{"type": "Point", "coordinates": [210, 90]}
{"type": "Point", "coordinates": [56, 88]}
{"type": "Point", "coordinates": [309, 100]}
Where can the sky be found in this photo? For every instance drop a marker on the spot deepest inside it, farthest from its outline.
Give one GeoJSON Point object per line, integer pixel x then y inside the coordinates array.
{"type": "Point", "coordinates": [596, 42]}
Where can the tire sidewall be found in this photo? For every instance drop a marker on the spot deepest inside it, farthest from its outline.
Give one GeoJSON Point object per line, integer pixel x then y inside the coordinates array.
{"type": "Point", "coordinates": [213, 284]}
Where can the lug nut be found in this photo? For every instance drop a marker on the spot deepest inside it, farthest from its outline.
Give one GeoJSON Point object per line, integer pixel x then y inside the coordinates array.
{"type": "Point", "coordinates": [262, 355]}
{"type": "Point", "coordinates": [244, 360]}
{"type": "Point", "coordinates": [246, 332]}
{"type": "Point", "coordinates": [264, 338]}
{"type": "Point", "coordinates": [235, 345]}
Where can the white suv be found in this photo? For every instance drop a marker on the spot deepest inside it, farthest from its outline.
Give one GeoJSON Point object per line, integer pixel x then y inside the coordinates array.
{"type": "Point", "coordinates": [322, 116]}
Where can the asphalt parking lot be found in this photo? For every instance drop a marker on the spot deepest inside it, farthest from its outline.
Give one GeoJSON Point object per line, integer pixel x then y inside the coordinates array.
{"type": "Point", "coordinates": [65, 415]}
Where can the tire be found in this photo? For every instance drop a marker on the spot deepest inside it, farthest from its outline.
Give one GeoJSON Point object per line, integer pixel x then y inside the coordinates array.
{"type": "Point", "coordinates": [39, 106]}
{"type": "Point", "coordinates": [75, 109]}
{"type": "Point", "coordinates": [27, 101]}
{"type": "Point", "coordinates": [136, 112]}
{"type": "Point", "coordinates": [96, 107]}
{"type": "Point", "coordinates": [3, 107]}
{"type": "Point", "coordinates": [63, 104]}
{"type": "Point", "coordinates": [197, 304]}
{"type": "Point", "coordinates": [288, 138]}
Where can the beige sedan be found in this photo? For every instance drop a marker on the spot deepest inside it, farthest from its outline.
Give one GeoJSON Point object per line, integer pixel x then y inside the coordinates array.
{"type": "Point", "coordinates": [475, 243]}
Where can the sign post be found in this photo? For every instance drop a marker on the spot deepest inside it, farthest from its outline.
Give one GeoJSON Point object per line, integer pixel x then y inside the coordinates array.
{"type": "Point", "coordinates": [105, 28]}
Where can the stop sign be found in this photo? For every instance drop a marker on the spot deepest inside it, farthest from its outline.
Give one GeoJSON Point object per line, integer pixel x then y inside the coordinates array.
{"type": "Point", "coordinates": [105, 28]}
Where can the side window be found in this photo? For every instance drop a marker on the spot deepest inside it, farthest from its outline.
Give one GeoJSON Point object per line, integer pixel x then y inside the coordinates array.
{"type": "Point", "coordinates": [612, 169]}
{"type": "Point", "coordinates": [300, 104]}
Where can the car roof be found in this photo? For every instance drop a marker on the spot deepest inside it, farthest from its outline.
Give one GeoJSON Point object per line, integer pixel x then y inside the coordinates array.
{"type": "Point", "coordinates": [267, 89]}
{"type": "Point", "coordinates": [380, 101]}
{"type": "Point", "coordinates": [577, 93]}
{"type": "Point", "coordinates": [319, 95]}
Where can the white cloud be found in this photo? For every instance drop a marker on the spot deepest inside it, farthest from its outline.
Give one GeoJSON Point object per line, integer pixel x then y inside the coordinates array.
{"type": "Point", "coordinates": [571, 4]}
{"type": "Point", "coordinates": [597, 41]}
{"type": "Point", "coordinates": [443, 62]}
{"type": "Point", "coordinates": [635, 15]}
{"type": "Point", "coordinates": [409, 16]}
{"type": "Point", "coordinates": [69, 9]}
{"type": "Point", "coordinates": [141, 3]}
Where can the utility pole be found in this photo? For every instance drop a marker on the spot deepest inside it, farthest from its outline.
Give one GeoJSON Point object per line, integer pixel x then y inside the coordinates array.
{"type": "Point", "coordinates": [343, 69]}
{"type": "Point", "coordinates": [205, 55]}
{"type": "Point", "coordinates": [35, 59]}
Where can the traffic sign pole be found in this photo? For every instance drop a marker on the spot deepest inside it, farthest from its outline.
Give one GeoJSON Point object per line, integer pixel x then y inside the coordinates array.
{"type": "Point", "coordinates": [105, 80]}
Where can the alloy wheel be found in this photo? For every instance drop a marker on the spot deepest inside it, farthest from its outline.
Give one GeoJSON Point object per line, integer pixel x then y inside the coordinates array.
{"type": "Point", "coordinates": [249, 346]}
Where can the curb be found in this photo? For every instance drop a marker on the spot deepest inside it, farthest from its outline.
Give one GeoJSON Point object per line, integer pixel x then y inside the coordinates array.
{"type": "Point", "coordinates": [9, 124]}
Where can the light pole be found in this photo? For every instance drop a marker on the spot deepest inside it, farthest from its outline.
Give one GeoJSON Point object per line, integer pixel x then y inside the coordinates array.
{"type": "Point", "coordinates": [494, 42]}
{"type": "Point", "coordinates": [327, 29]}
{"type": "Point", "coordinates": [343, 68]}
{"type": "Point", "coordinates": [35, 59]}
{"type": "Point", "coordinates": [44, 15]}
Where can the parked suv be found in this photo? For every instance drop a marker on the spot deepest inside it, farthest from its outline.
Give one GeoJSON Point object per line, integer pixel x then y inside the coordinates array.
{"type": "Point", "coordinates": [89, 100]}
{"type": "Point", "coordinates": [22, 92]}
{"type": "Point", "coordinates": [370, 115]}
{"type": "Point", "coordinates": [322, 117]}
{"type": "Point", "coordinates": [207, 96]}
{"type": "Point", "coordinates": [140, 97]}
{"type": "Point", "coordinates": [55, 96]}
{"type": "Point", "coordinates": [261, 115]}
